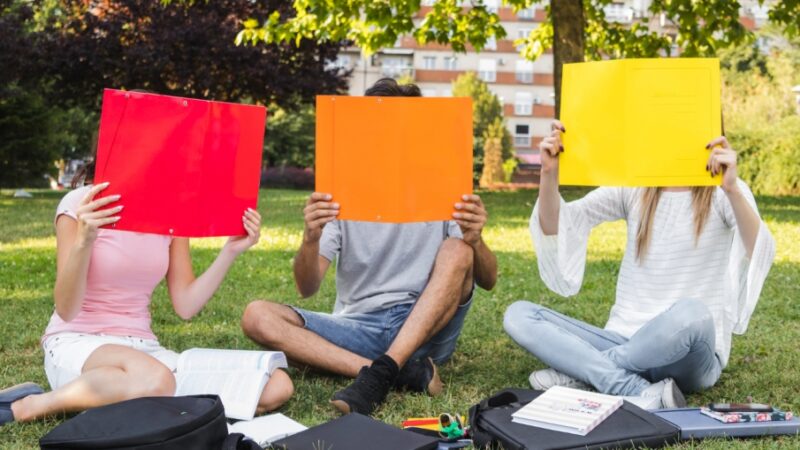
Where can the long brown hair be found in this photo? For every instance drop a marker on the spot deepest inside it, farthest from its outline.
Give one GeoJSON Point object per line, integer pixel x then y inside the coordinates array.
{"type": "Point", "coordinates": [701, 206]}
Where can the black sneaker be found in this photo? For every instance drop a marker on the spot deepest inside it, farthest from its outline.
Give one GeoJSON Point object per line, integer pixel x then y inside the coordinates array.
{"type": "Point", "coordinates": [420, 375]}
{"type": "Point", "coordinates": [364, 394]}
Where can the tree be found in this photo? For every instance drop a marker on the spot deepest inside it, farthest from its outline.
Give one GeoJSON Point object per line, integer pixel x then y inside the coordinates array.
{"type": "Point", "coordinates": [575, 29]}
{"type": "Point", "coordinates": [290, 137]}
{"type": "Point", "coordinates": [180, 49]}
{"type": "Point", "coordinates": [486, 110]}
{"type": "Point", "coordinates": [28, 146]}
{"type": "Point", "coordinates": [493, 172]}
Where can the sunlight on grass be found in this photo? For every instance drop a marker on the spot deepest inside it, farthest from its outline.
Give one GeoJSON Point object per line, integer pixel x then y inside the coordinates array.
{"type": "Point", "coordinates": [763, 363]}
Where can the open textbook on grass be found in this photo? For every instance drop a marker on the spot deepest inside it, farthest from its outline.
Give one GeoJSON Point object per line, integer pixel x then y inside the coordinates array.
{"type": "Point", "coordinates": [567, 410]}
{"type": "Point", "coordinates": [237, 376]}
{"type": "Point", "coordinates": [267, 429]}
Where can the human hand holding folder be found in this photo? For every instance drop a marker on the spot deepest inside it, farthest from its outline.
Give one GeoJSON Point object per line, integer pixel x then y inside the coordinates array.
{"type": "Point", "coordinates": [640, 122]}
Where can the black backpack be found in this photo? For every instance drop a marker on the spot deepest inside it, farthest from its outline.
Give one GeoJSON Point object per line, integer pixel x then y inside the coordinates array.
{"type": "Point", "coordinates": [152, 423]}
{"type": "Point", "coordinates": [628, 427]}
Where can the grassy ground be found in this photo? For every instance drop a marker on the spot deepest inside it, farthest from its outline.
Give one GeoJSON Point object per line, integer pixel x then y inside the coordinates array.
{"type": "Point", "coordinates": [763, 364]}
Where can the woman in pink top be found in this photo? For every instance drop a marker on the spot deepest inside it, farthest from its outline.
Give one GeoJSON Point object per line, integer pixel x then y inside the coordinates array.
{"type": "Point", "coordinates": [99, 347]}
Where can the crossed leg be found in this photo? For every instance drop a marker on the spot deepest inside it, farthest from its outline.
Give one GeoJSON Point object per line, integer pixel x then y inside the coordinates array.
{"type": "Point", "coordinates": [279, 327]}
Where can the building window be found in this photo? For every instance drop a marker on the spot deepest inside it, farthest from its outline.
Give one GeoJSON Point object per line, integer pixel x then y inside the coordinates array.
{"type": "Point", "coordinates": [523, 104]}
{"type": "Point", "coordinates": [524, 71]}
{"type": "Point", "coordinates": [429, 62]}
{"type": "Point", "coordinates": [342, 62]}
{"type": "Point", "coordinates": [396, 66]}
{"type": "Point", "coordinates": [526, 14]}
{"type": "Point", "coordinates": [487, 70]}
{"type": "Point", "coordinates": [447, 93]}
{"type": "Point", "coordinates": [522, 34]}
{"type": "Point", "coordinates": [449, 63]}
{"type": "Point", "coordinates": [491, 43]}
{"type": "Point", "coordinates": [522, 136]}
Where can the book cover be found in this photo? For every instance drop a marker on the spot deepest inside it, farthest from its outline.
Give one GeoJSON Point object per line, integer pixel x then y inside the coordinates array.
{"type": "Point", "coordinates": [568, 410]}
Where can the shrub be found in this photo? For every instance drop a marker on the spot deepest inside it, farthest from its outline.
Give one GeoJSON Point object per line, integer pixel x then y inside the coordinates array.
{"type": "Point", "coordinates": [287, 177]}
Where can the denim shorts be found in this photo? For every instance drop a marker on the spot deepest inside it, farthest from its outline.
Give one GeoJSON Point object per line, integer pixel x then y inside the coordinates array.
{"type": "Point", "coordinates": [370, 334]}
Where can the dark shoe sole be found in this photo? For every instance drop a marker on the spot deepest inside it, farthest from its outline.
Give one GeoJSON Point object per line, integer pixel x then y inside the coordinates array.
{"type": "Point", "coordinates": [341, 406]}
{"type": "Point", "coordinates": [675, 398]}
{"type": "Point", "coordinates": [14, 393]}
{"type": "Point", "coordinates": [435, 386]}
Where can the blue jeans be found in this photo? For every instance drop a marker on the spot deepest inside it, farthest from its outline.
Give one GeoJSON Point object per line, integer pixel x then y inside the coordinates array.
{"type": "Point", "coordinates": [370, 334]}
{"type": "Point", "coordinates": [677, 344]}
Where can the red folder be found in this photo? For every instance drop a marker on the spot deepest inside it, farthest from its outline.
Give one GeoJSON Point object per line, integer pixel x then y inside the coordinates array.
{"type": "Point", "coordinates": [183, 167]}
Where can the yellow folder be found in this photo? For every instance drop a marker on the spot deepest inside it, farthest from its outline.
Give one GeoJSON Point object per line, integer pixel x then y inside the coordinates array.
{"type": "Point", "coordinates": [639, 122]}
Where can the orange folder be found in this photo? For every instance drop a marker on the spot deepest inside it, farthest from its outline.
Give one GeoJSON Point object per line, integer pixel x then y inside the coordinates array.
{"type": "Point", "coordinates": [184, 167]}
{"type": "Point", "coordinates": [394, 159]}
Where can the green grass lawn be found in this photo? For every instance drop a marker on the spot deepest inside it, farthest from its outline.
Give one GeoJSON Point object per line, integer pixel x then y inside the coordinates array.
{"type": "Point", "coordinates": [763, 364]}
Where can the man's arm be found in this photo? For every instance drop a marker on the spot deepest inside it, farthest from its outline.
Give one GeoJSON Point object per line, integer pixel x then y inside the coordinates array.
{"type": "Point", "coordinates": [471, 216]}
{"type": "Point", "coordinates": [309, 266]}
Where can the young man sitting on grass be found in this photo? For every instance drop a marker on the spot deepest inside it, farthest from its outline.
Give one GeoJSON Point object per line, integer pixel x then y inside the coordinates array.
{"type": "Point", "coordinates": [403, 292]}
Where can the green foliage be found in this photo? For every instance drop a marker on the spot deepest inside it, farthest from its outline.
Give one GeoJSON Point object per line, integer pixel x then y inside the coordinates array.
{"type": "Point", "coordinates": [289, 141]}
{"type": "Point", "coordinates": [761, 119]}
{"type": "Point", "coordinates": [702, 26]}
{"type": "Point", "coordinates": [492, 172]}
{"type": "Point", "coordinates": [486, 109]}
{"type": "Point", "coordinates": [509, 166]}
{"type": "Point", "coordinates": [762, 362]}
{"type": "Point", "coordinates": [28, 138]}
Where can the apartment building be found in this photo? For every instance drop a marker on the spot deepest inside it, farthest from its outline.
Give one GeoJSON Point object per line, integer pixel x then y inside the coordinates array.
{"type": "Point", "coordinates": [524, 88]}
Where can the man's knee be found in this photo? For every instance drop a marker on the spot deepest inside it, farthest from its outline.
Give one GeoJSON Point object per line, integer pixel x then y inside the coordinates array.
{"type": "Point", "coordinates": [262, 321]}
{"type": "Point", "coordinates": [520, 316]}
{"type": "Point", "coordinates": [455, 253]}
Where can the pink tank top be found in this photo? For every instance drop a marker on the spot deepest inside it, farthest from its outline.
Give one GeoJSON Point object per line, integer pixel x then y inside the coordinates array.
{"type": "Point", "coordinates": [124, 269]}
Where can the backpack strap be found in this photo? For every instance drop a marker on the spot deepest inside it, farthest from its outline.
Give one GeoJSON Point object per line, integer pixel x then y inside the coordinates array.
{"type": "Point", "coordinates": [238, 441]}
{"type": "Point", "coordinates": [481, 439]}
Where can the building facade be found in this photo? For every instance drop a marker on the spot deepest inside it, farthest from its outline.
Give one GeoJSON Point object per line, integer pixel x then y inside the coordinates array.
{"type": "Point", "coordinates": [524, 88]}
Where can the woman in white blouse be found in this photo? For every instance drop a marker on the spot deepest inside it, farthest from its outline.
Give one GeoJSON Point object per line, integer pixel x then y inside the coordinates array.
{"type": "Point", "coordinates": [695, 261]}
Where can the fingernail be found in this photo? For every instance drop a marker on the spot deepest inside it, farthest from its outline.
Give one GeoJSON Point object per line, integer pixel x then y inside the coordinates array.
{"type": "Point", "coordinates": [327, 196]}
{"type": "Point", "coordinates": [708, 145]}
{"type": "Point", "coordinates": [465, 197]}
{"type": "Point", "coordinates": [120, 207]}
{"type": "Point", "coordinates": [563, 130]}
{"type": "Point", "coordinates": [335, 206]}
{"type": "Point", "coordinates": [106, 183]}
{"type": "Point", "coordinates": [457, 215]}
{"type": "Point", "coordinates": [459, 205]}
{"type": "Point", "coordinates": [561, 147]}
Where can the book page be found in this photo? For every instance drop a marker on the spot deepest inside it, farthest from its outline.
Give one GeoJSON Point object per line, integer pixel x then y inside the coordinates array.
{"type": "Point", "coordinates": [205, 359]}
{"type": "Point", "coordinates": [238, 390]}
{"type": "Point", "coordinates": [267, 429]}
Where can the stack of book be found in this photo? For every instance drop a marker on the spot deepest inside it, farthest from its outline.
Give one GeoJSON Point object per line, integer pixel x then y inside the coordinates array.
{"type": "Point", "coordinates": [568, 410]}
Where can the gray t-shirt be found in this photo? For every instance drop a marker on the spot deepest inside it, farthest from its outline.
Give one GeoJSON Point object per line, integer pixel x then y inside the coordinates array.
{"type": "Point", "coordinates": [379, 265]}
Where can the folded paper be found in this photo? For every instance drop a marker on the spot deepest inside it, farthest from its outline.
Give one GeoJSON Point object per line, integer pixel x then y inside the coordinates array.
{"type": "Point", "coordinates": [394, 159]}
{"type": "Point", "coordinates": [183, 167]}
{"type": "Point", "coordinates": [639, 122]}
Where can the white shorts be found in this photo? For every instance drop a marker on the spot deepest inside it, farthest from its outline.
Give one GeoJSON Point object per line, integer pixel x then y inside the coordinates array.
{"type": "Point", "coordinates": [66, 353]}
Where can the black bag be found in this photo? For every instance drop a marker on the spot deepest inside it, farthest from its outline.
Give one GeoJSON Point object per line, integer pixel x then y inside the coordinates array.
{"type": "Point", "coordinates": [152, 423]}
{"type": "Point", "coordinates": [628, 427]}
{"type": "Point", "coordinates": [355, 431]}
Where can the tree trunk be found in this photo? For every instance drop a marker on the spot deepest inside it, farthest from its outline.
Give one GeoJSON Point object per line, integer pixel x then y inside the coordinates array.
{"type": "Point", "coordinates": [568, 28]}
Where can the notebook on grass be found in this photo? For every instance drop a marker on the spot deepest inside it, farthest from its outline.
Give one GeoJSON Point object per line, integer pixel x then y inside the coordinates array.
{"type": "Point", "coordinates": [695, 425]}
{"type": "Point", "coordinates": [567, 410]}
